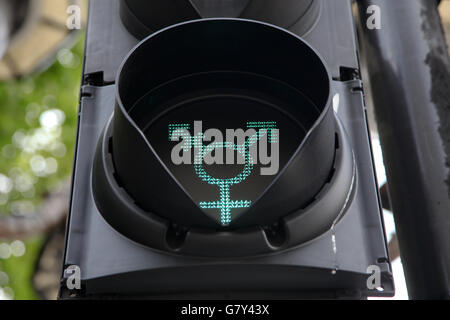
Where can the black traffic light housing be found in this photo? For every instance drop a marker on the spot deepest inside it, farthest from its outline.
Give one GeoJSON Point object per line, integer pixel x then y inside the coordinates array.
{"type": "Point", "coordinates": [134, 227]}
{"type": "Point", "coordinates": [143, 18]}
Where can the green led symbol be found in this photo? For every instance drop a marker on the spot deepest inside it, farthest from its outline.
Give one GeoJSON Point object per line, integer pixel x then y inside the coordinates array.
{"type": "Point", "coordinates": [225, 204]}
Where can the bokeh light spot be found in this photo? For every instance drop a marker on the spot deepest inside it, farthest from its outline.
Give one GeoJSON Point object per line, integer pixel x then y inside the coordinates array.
{"type": "Point", "coordinates": [5, 251]}
{"type": "Point", "coordinates": [6, 293]}
{"type": "Point", "coordinates": [9, 151]}
{"type": "Point", "coordinates": [22, 208]}
{"type": "Point", "coordinates": [4, 279]}
{"type": "Point", "coordinates": [52, 118]}
{"type": "Point", "coordinates": [6, 184]}
{"type": "Point", "coordinates": [68, 59]}
{"type": "Point", "coordinates": [18, 248]}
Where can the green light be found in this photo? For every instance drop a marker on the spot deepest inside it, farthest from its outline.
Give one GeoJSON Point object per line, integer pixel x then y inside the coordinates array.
{"type": "Point", "coordinates": [225, 204]}
{"type": "Point", "coordinates": [175, 127]}
{"type": "Point", "coordinates": [181, 130]}
{"type": "Point", "coordinates": [273, 138]}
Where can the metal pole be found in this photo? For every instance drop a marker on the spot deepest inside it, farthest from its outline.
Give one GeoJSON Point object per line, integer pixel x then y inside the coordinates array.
{"type": "Point", "coordinates": [409, 76]}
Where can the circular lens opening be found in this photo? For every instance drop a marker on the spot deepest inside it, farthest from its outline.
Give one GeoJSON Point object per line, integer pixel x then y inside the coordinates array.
{"type": "Point", "coordinates": [183, 89]}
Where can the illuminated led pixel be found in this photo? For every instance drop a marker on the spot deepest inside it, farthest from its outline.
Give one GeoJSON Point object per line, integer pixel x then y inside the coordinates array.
{"type": "Point", "coordinates": [224, 204]}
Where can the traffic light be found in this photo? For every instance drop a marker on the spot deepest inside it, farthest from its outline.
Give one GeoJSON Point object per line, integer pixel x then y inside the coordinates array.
{"type": "Point", "coordinates": [223, 151]}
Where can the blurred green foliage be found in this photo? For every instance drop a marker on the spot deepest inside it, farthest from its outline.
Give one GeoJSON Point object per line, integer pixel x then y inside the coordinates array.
{"type": "Point", "coordinates": [38, 118]}
{"type": "Point", "coordinates": [20, 270]}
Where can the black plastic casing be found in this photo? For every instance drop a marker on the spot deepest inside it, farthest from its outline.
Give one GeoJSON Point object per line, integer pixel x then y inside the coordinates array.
{"type": "Point", "coordinates": [329, 264]}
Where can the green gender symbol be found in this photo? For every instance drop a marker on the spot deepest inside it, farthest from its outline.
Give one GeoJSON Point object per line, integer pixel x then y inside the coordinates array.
{"type": "Point", "coordinates": [225, 204]}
